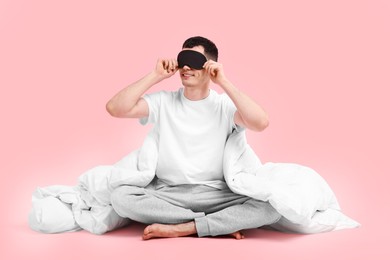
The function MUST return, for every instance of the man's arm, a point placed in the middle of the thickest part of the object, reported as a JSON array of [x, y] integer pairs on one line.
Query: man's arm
[[128, 101], [249, 113]]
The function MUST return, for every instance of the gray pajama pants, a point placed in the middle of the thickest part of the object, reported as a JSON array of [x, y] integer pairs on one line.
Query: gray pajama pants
[[215, 211]]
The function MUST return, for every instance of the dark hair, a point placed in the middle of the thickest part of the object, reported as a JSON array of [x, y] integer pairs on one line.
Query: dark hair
[[210, 49]]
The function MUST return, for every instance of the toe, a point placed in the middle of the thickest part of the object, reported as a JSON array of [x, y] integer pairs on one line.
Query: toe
[[147, 230], [147, 236], [238, 235]]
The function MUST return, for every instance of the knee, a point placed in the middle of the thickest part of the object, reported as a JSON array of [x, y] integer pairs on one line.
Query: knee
[[273, 215], [268, 214], [123, 199]]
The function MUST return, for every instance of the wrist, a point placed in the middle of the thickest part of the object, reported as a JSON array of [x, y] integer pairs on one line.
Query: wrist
[[155, 77], [224, 83]]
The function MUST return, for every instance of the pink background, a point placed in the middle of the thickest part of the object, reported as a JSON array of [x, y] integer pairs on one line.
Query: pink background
[[319, 68]]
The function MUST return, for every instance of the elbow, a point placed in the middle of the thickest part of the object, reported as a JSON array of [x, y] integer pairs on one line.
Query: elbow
[[263, 124], [116, 111], [111, 109]]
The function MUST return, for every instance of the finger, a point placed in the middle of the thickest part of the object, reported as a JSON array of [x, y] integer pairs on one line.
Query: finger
[[214, 72], [166, 67], [210, 72], [173, 71], [160, 63], [207, 68], [165, 64], [211, 69], [173, 64], [207, 63]]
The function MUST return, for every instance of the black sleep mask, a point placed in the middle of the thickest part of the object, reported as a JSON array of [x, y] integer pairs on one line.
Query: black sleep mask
[[193, 59]]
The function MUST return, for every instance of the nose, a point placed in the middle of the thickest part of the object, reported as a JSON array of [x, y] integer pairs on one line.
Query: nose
[[185, 67]]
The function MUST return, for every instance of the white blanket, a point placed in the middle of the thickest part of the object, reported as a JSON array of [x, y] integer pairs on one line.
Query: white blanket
[[298, 193]]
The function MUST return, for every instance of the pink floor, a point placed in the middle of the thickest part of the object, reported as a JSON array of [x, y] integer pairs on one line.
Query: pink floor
[[126, 244], [370, 241], [23, 243]]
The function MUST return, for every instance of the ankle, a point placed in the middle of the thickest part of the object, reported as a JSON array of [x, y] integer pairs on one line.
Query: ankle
[[188, 228]]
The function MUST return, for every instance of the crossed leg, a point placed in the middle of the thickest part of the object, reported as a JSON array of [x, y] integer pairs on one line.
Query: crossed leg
[[188, 210]]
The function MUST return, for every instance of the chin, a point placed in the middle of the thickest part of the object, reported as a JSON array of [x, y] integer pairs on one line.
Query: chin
[[187, 84]]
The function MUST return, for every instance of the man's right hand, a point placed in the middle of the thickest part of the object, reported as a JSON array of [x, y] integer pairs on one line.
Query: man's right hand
[[166, 68]]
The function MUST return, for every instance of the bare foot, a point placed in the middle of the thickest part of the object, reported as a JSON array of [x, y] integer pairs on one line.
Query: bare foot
[[173, 230], [237, 235], [176, 230]]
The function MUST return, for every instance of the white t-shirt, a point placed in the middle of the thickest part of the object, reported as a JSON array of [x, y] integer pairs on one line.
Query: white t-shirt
[[192, 136]]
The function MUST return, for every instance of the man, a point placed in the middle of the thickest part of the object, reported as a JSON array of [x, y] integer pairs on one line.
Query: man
[[189, 195]]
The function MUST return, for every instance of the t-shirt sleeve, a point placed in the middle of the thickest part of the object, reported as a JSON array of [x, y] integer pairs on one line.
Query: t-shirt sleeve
[[230, 110], [154, 101]]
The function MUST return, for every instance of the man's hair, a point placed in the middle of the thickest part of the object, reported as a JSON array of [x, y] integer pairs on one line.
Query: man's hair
[[210, 49]]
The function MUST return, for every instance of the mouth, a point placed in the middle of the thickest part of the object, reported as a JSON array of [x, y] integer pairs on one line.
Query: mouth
[[187, 75]]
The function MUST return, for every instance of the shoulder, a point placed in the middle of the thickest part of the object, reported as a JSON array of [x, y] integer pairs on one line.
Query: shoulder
[[219, 96], [162, 95], [225, 100]]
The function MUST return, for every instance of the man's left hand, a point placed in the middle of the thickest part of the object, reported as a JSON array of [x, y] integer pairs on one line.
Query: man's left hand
[[215, 71]]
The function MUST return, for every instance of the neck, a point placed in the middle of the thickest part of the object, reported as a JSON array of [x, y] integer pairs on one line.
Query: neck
[[196, 93]]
